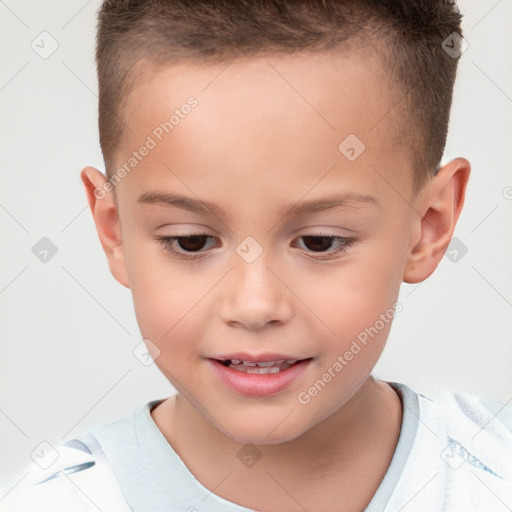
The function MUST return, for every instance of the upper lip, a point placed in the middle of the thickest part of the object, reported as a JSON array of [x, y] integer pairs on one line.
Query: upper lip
[[256, 358]]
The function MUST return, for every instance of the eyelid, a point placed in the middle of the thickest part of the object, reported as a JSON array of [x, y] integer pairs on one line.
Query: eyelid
[[168, 240], [348, 242]]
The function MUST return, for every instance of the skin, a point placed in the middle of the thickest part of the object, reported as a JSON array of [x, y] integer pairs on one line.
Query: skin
[[264, 136]]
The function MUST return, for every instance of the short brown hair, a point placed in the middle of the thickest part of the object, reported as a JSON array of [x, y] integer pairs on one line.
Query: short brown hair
[[407, 34]]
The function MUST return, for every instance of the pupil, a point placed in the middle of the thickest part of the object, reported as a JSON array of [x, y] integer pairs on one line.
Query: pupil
[[192, 243], [317, 243]]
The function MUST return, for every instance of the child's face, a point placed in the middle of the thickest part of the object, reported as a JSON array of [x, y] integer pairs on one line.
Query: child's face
[[262, 140]]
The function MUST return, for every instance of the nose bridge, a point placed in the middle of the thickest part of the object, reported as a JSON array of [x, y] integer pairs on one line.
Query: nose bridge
[[253, 279], [253, 296]]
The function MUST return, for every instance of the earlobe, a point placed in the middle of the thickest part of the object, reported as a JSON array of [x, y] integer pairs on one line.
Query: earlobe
[[105, 213], [441, 204]]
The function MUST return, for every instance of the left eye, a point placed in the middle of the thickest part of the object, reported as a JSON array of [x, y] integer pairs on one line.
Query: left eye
[[320, 243], [323, 243]]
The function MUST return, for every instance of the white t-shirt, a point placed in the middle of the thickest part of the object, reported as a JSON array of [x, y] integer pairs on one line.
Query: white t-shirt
[[454, 454]]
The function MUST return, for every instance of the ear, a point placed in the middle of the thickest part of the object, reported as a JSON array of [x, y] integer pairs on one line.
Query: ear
[[105, 213], [440, 204]]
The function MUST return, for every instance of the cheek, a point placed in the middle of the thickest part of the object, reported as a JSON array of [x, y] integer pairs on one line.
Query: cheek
[[355, 302], [355, 295], [164, 307], [170, 301], [162, 294], [356, 309]]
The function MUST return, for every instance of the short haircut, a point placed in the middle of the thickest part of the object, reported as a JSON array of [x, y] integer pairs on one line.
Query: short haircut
[[407, 35]]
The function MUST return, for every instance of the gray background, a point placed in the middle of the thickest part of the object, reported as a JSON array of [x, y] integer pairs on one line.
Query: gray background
[[68, 328]]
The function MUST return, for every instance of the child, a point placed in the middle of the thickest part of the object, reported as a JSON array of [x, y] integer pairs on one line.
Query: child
[[273, 176]]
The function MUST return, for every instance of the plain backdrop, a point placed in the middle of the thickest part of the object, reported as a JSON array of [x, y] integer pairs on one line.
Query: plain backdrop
[[68, 329]]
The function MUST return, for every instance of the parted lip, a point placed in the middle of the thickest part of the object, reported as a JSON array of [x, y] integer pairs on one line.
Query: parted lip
[[256, 358]]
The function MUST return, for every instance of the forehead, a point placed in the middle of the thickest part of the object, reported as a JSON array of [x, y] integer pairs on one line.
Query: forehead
[[264, 122]]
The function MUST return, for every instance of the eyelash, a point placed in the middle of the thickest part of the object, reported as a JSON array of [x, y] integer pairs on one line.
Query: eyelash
[[170, 242]]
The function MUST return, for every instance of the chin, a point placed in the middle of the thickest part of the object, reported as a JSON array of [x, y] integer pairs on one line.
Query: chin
[[271, 432]]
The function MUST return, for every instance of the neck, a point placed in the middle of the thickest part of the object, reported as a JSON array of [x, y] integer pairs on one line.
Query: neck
[[358, 439]]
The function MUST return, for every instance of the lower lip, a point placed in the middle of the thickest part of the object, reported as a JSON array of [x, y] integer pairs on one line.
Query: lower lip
[[253, 384]]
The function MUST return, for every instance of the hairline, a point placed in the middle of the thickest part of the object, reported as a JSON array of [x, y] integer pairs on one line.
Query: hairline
[[147, 63]]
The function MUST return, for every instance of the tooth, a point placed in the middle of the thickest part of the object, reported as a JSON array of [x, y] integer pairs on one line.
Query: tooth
[[249, 363], [236, 361], [291, 361], [268, 363], [260, 370], [281, 361], [268, 369]]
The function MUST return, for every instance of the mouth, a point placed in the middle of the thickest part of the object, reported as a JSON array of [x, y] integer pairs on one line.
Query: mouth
[[258, 376], [260, 368]]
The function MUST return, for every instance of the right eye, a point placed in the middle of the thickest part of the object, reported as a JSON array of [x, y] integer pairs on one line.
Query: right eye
[[186, 246]]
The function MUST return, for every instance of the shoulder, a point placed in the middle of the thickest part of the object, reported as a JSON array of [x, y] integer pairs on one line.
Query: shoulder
[[46, 485], [474, 448], [478, 430], [461, 456], [79, 479], [463, 412]]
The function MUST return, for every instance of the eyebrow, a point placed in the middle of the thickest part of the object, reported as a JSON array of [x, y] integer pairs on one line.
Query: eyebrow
[[300, 208], [343, 199], [179, 201]]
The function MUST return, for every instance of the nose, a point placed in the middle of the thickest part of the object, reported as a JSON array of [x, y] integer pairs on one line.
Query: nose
[[253, 296]]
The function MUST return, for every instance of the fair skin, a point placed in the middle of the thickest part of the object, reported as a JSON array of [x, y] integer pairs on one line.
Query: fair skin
[[264, 136]]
